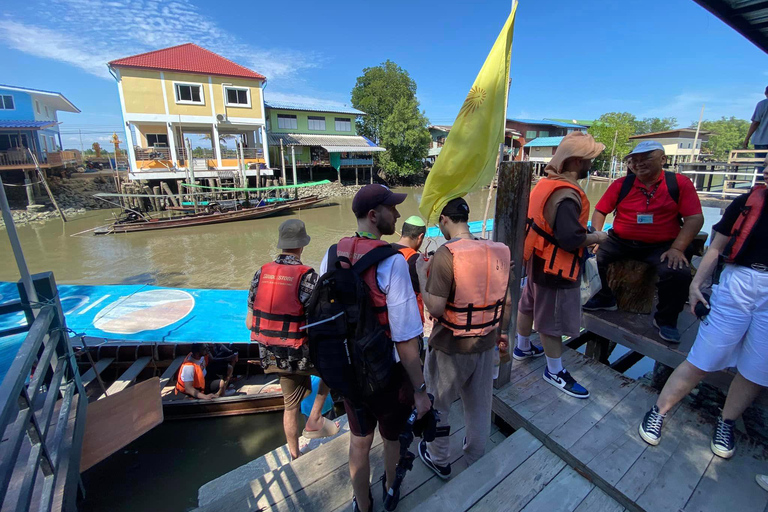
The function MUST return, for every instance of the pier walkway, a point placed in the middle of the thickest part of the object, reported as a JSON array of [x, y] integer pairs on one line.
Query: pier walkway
[[599, 438]]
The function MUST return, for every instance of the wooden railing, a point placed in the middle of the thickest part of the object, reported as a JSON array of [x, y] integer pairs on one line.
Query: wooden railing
[[62, 157], [42, 409]]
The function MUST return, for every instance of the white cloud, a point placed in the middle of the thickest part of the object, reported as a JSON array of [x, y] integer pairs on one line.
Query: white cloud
[[686, 106], [89, 33], [301, 98]]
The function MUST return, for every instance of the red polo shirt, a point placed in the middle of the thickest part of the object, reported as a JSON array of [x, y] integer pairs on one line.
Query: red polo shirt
[[666, 225]]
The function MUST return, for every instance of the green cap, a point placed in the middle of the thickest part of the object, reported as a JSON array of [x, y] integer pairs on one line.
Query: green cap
[[415, 220]]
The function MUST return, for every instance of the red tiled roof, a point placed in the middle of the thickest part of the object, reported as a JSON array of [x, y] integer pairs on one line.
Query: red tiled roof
[[188, 58]]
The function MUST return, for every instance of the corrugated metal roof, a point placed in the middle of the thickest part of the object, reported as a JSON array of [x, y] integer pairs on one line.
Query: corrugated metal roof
[[353, 149], [189, 58], [546, 122], [549, 142], [441, 127], [748, 17], [313, 107], [36, 125], [302, 139], [679, 132]]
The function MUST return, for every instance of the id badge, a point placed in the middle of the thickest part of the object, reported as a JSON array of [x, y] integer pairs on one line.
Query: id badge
[[645, 218]]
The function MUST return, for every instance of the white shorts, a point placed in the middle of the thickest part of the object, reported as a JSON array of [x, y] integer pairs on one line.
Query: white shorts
[[736, 330]]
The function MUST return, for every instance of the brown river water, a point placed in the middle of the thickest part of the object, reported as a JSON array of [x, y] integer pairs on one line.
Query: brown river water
[[163, 469]]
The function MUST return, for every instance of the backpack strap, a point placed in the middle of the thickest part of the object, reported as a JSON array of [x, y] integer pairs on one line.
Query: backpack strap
[[373, 257], [626, 188], [672, 187]]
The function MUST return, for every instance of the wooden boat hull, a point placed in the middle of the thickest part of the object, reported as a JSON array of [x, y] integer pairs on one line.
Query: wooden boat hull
[[119, 364], [209, 218]]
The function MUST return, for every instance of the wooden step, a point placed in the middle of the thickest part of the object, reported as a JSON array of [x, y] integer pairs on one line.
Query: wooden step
[[128, 376], [100, 366], [170, 372]]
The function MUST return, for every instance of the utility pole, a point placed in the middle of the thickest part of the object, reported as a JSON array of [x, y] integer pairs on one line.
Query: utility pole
[[82, 149], [613, 148], [282, 161], [696, 137]]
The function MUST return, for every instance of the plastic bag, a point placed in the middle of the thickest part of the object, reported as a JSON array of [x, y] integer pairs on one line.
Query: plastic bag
[[590, 280]]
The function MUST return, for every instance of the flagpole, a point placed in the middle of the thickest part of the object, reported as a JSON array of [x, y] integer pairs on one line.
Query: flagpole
[[499, 158]]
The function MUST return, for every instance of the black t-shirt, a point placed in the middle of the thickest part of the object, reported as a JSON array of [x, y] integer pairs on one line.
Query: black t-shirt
[[756, 248]]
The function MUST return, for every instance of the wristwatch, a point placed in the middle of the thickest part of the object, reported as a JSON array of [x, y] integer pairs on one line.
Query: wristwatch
[[422, 388]]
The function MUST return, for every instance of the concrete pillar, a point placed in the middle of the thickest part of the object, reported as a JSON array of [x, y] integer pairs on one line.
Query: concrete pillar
[[172, 144], [216, 145], [264, 145], [131, 151], [28, 187]]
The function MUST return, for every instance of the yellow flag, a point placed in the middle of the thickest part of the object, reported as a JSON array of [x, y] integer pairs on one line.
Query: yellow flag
[[468, 158]]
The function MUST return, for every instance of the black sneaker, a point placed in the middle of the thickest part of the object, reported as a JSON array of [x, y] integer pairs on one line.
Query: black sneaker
[[723, 443], [650, 428], [390, 500], [442, 471], [355, 508], [566, 383], [667, 332], [597, 303]]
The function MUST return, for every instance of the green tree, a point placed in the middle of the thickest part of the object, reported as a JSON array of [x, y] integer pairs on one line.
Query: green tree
[[727, 133], [613, 124], [377, 92], [406, 138], [654, 124]]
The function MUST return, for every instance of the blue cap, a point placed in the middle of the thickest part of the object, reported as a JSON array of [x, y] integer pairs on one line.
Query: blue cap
[[646, 146]]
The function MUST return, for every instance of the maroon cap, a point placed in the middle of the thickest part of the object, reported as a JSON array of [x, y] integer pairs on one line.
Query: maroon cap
[[371, 196]]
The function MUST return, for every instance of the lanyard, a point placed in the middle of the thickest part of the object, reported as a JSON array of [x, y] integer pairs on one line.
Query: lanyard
[[366, 234], [649, 195]]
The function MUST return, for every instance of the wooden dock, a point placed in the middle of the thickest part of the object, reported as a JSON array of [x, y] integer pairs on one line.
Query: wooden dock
[[599, 439]]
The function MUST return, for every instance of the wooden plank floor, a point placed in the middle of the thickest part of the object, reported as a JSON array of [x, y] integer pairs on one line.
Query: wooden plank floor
[[598, 437]]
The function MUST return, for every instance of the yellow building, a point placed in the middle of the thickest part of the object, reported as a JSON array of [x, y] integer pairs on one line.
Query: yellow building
[[169, 94]]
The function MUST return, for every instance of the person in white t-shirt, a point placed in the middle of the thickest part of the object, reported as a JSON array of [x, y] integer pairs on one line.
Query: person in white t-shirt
[[376, 212]]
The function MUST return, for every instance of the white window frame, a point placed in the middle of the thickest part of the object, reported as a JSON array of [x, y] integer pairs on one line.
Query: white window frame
[[247, 90], [292, 117], [46, 111], [346, 120], [188, 102], [53, 143], [2, 103], [45, 144], [146, 137], [317, 119], [37, 106]]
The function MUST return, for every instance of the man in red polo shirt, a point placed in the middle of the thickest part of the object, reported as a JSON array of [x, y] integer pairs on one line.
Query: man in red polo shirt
[[656, 217]]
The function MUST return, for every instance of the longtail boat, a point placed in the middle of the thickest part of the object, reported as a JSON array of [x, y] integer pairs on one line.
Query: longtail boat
[[109, 368], [136, 223]]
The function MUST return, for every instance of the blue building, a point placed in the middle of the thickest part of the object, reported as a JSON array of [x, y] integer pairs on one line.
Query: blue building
[[29, 121]]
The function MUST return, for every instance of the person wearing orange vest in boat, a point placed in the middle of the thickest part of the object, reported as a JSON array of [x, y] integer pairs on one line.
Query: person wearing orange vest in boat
[[466, 293], [413, 232], [734, 323], [192, 373], [555, 243], [278, 294]]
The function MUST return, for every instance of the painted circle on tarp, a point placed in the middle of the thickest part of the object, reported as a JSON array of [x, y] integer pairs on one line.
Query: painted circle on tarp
[[144, 311]]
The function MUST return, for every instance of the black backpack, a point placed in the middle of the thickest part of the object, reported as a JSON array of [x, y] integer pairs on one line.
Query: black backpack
[[669, 177], [349, 347]]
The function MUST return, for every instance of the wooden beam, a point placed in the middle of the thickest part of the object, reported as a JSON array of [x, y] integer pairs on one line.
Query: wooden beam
[[127, 378], [514, 188], [100, 366], [627, 361], [171, 371]]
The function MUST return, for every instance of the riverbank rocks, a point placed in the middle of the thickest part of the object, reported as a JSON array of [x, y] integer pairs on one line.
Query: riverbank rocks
[[333, 189]]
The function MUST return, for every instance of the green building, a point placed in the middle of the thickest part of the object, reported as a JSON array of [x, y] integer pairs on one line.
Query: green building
[[316, 137]]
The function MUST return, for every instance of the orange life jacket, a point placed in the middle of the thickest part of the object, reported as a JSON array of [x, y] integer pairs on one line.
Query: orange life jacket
[[354, 248], [540, 239], [277, 312], [481, 275], [742, 228], [199, 381], [408, 253]]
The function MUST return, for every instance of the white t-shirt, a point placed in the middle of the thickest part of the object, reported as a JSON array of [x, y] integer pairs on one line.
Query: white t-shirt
[[403, 310], [188, 373]]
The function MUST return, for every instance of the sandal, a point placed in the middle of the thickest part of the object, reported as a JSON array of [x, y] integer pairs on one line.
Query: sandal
[[329, 428]]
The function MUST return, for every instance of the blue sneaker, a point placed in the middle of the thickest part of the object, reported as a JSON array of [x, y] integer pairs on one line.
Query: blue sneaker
[[522, 355], [667, 332], [566, 383]]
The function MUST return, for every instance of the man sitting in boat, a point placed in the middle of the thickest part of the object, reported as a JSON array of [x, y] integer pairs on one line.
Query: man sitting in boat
[[221, 364], [192, 374], [657, 216], [279, 292]]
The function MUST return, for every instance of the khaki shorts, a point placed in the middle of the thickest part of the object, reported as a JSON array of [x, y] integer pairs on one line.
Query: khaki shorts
[[555, 311], [295, 388]]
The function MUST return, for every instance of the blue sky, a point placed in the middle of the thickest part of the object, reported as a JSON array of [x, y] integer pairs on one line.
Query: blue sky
[[569, 59]]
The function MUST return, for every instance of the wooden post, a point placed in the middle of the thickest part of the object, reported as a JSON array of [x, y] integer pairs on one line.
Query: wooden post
[[514, 188], [28, 187], [159, 202], [357, 179], [295, 179], [282, 159], [371, 174]]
